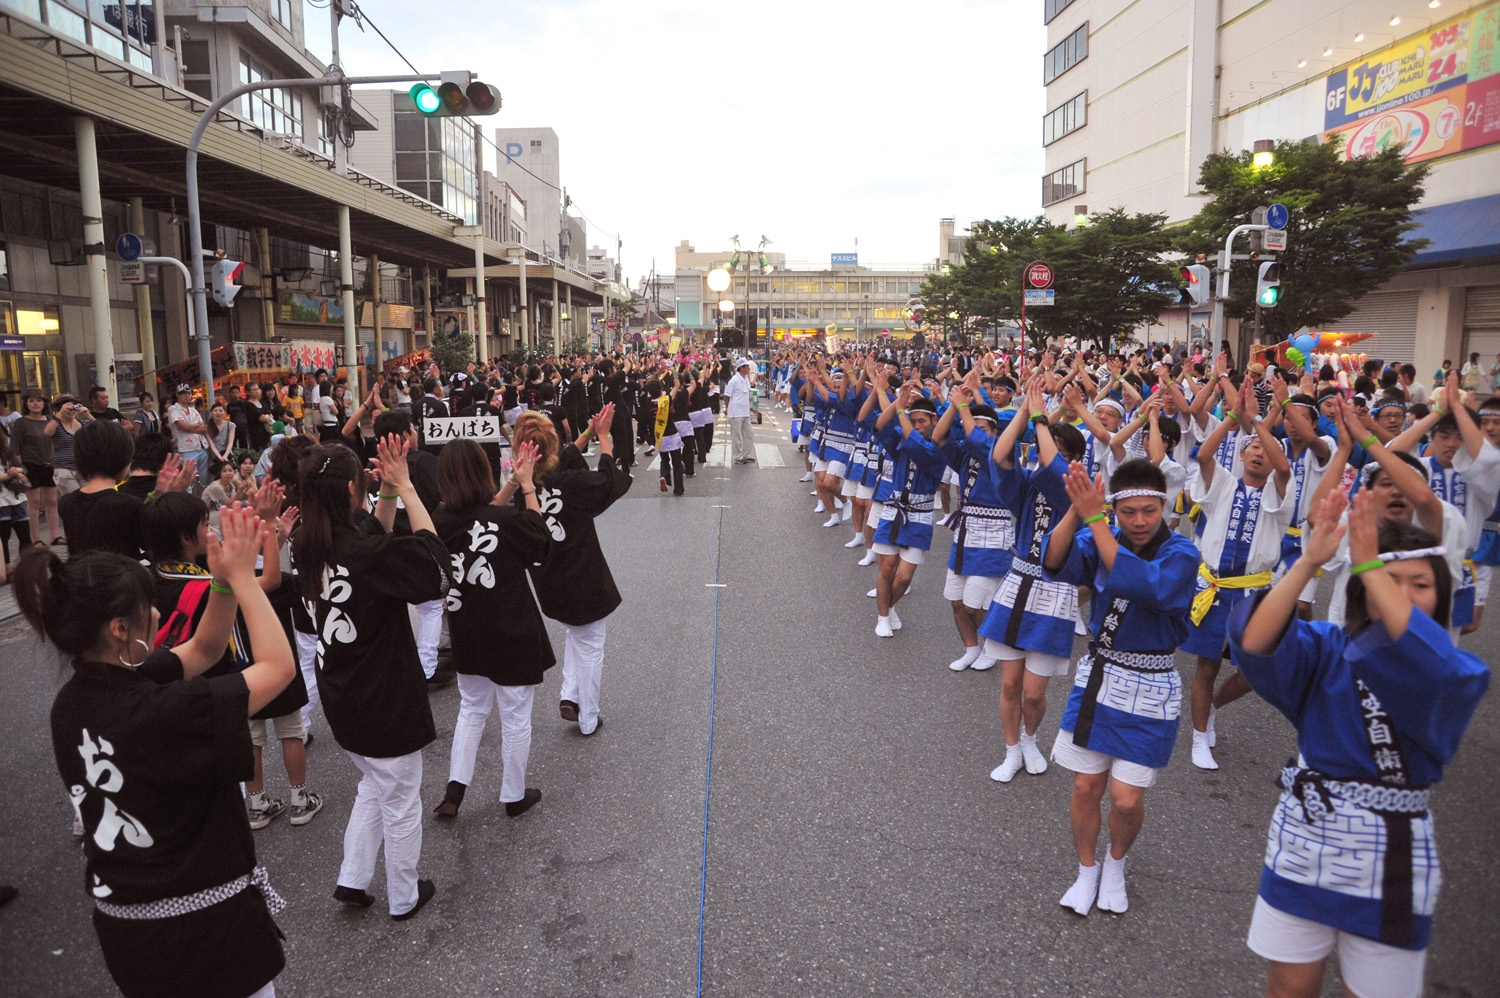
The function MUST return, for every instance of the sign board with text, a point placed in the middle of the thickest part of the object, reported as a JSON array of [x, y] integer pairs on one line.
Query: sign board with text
[[1040, 275], [845, 259], [1040, 296], [132, 272], [480, 429], [1273, 240]]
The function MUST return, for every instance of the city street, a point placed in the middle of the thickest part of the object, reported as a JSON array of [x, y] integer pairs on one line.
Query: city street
[[854, 843]]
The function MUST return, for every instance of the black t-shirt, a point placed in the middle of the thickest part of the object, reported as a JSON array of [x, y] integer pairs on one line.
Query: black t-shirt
[[373, 691], [493, 619], [153, 763], [573, 584], [101, 521], [139, 486]]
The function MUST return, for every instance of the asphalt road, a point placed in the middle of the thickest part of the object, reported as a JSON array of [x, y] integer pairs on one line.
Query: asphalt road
[[855, 844]]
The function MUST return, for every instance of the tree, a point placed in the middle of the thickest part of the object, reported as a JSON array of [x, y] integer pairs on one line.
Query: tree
[[452, 353], [1349, 219]]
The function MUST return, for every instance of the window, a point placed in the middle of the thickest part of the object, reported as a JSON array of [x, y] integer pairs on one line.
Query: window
[[1059, 185], [1066, 54], [282, 11], [1069, 118], [1051, 8], [275, 110]]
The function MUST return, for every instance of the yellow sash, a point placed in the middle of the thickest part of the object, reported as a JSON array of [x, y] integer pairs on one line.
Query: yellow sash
[[663, 409], [1204, 601]]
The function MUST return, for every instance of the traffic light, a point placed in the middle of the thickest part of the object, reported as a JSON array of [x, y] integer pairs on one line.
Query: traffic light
[[1268, 285], [456, 96], [225, 281], [1197, 278]]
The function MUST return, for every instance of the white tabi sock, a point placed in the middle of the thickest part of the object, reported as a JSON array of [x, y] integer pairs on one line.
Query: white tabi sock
[[869, 558], [895, 619], [968, 658], [1112, 886], [848, 509], [1035, 761], [806, 478], [1213, 736], [857, 540], [832, 521], [1203, 756], [883, 628], [1007, 770], [820, 508], [1080, 896]]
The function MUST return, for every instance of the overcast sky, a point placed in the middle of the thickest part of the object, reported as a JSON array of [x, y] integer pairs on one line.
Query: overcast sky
[[811, 122]]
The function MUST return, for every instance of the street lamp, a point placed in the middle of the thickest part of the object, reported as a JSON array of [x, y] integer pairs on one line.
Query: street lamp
[[718, 283], [1265, 153]]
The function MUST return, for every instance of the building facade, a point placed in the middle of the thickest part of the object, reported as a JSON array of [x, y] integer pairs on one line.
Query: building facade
[[437, 159], [1140, 93], [797, 300], [530, 161]]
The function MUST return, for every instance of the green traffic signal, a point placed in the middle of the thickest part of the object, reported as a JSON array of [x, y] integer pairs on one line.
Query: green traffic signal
[[1269, 296], [426, 99]]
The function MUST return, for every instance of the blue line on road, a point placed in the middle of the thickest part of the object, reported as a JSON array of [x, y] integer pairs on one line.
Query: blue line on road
[[708, 766]]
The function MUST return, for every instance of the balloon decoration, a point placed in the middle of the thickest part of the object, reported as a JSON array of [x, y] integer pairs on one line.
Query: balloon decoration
[[1302, 349]]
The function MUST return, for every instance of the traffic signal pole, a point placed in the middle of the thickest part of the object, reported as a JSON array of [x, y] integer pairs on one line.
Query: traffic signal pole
[[195, 215], [1225, 260]]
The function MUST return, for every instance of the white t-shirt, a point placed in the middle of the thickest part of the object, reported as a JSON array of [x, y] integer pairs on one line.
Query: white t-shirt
[[739, 396], [1455, 533], [184, 440], [1217, 503]]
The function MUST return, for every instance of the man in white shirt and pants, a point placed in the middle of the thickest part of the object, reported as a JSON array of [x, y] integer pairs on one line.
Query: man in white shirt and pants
[[740, 435]]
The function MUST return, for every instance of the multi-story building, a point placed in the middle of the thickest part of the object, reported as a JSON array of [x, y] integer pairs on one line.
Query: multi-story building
[[797, 300], [530, 161], [1140, 93], [438, 159], [504, 211]]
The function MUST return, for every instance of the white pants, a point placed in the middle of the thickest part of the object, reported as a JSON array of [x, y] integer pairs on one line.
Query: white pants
[[387, 809], [269, 991], [427, 628], [583, 661], [478, 696], [307, 658], [741, 437]]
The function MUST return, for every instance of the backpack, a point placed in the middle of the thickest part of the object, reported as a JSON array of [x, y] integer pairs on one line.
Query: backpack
[[179, 624]]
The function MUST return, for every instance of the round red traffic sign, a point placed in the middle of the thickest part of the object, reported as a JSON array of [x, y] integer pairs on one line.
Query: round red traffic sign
[[1039, 275]]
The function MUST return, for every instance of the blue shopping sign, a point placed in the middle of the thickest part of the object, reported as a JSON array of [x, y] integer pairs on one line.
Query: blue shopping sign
[[128, 246], [1277, 216], [846, 259], [12, 343]]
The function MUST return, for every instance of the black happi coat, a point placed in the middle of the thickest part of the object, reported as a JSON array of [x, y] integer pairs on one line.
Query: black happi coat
[[496, 628], [573, 584]]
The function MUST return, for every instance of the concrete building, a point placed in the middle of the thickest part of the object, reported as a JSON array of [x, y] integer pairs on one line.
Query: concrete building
[[530, 161], [99, 110], [504, 211], [1139, 94], [950, 245], [797, 300], [437, 159]]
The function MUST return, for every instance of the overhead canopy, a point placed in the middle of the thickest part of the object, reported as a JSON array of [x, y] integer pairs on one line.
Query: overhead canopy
[[1463, 230], [143, 126]]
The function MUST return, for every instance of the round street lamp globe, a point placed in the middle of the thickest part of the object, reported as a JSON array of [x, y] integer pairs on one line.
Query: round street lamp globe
[[726, 305], [718, 279]]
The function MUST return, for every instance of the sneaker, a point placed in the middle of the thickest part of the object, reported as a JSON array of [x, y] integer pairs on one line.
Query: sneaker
[[883, 629], [263, 816], [305, 812]]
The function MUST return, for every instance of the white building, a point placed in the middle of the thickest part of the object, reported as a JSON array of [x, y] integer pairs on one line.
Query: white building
[[530, 161], [1140, 93]]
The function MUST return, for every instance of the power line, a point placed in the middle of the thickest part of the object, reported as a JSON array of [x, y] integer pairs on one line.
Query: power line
[[360, 14]]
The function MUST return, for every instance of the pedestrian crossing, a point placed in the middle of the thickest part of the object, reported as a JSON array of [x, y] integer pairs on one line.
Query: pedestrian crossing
[[766, 455]]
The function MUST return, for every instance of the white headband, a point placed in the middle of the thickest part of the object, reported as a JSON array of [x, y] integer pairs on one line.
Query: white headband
[[1111, 403], [1435, 552], [1136, 494]]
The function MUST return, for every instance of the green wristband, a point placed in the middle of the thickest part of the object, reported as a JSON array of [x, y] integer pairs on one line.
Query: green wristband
[[1093, 519], [1439, 410], [221, 590], [1369, 441], [1230, 414], [389, 495], [1366, 566]]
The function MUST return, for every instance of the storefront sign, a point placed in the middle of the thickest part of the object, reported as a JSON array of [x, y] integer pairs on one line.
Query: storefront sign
[[294, 306], [1432, 95], [263, 356]]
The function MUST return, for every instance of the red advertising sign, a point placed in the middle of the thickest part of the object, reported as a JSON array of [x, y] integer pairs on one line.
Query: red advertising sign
[[1039, 275]]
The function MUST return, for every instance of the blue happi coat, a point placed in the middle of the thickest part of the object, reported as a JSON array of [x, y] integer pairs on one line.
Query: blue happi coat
[[1028, 612], [984, 527], [906, 517]]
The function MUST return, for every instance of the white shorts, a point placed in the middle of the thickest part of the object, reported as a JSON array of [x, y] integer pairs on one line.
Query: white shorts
[[976, 591], [1087, 761], [950, 477], [876, 508], [1371, 969], [837, 468], [850, 487], [820, 465], [864, 492], [1481, 584], [1037, 663], [912, 556], [291, 725]]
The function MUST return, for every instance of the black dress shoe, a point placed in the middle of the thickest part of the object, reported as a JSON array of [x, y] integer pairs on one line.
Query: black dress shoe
[[516, 808], [353, 896], [568, 709], [441, 677], [453, 798], [425, 890], [598, 723]]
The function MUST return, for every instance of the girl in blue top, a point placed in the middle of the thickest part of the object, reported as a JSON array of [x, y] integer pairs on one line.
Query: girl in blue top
[[1380, 706]]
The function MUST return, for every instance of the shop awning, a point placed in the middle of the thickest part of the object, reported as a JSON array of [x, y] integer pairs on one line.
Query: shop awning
[[1463, 230]]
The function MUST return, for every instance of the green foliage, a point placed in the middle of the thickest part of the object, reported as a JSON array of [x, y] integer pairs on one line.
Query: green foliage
[[452, 354], [1110, 276], [1348, 218]]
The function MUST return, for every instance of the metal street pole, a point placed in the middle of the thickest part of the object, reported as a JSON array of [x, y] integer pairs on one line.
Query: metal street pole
[[195, 213], [1225, 262]]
